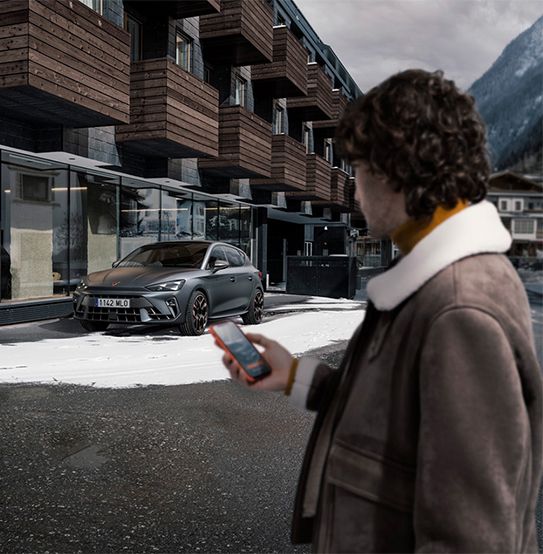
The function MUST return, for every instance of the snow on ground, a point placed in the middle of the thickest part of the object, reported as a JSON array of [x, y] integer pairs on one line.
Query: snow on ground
[[317, 303], [104, 360]]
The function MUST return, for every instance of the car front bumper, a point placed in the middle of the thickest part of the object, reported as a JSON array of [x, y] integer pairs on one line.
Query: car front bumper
[[145, 307]]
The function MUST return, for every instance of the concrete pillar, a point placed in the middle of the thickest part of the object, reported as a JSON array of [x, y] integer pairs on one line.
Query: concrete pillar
[[261, 231]]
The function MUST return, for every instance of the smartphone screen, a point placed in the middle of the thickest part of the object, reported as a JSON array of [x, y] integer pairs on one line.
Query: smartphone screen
[[241, 348]]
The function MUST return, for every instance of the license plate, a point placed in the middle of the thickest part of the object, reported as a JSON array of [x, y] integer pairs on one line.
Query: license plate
[[113, 302]]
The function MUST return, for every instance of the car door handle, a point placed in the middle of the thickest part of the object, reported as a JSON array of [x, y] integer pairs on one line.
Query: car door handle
[[233, 279], [250, 278]]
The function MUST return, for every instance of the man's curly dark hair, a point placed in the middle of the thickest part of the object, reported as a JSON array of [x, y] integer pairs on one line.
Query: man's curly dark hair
[[424, 135]]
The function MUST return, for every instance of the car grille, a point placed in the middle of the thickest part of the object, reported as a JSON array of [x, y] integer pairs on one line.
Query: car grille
[[123, 315]]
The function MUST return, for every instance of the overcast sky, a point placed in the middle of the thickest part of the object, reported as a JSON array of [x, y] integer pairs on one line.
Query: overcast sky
[[376, 38]]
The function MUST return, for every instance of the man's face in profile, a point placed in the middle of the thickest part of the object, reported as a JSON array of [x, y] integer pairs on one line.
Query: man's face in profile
[[382, 207]]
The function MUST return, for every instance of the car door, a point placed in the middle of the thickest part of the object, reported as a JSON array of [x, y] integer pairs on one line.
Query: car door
[[242, 279], [219, 284]]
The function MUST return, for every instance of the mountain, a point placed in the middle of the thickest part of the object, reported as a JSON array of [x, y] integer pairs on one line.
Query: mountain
[[509, 97]]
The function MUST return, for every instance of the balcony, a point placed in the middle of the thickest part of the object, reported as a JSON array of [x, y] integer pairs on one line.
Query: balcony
[[177, 9], [288, 166], [319, 102], [244, 145], [173, 114], [62, 63], [341, 190], [318, 180], [327, 128], [241, 34], [287, 74]]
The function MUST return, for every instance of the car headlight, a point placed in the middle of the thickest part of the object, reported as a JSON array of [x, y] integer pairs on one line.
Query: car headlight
[[169, 285]]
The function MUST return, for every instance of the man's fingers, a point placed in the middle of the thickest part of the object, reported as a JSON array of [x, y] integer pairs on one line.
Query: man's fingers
[[234, 370]]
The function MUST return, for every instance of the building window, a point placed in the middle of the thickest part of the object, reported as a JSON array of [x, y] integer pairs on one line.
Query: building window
[[33, 188], [504, 205], [328, 150], [346, 167], [240, 91], [306, 137], [524, 226], [183, 51], [280, 19], [518, 205], [278, 120], [134, 27], [96, 5], [207, 73]]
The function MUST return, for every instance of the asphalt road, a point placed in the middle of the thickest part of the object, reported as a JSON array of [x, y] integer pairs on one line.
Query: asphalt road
[[195, 468]]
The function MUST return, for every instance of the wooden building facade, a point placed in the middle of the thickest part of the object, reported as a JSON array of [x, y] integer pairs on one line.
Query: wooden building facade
[[233, 100]]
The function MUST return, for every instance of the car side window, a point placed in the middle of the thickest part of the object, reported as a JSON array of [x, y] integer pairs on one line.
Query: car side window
[[216, 254], [235, 259]]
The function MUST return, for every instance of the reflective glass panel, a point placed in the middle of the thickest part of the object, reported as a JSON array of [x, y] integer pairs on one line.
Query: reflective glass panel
[[176, 219], [94, 221], [139, 218], [229, 223], [34, 229]]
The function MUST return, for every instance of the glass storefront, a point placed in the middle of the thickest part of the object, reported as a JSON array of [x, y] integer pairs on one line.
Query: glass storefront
[[59, 222], [176, 215], [139, 215], [34, 232], [94, 223]]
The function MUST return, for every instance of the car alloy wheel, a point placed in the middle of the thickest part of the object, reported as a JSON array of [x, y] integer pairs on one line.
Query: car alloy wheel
[[197, 315], [256, 309]]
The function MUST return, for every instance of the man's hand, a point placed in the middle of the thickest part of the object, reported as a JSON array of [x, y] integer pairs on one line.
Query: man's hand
[[278, 358]]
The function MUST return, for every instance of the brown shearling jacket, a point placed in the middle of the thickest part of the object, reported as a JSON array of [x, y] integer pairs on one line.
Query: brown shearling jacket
[[429, 437]]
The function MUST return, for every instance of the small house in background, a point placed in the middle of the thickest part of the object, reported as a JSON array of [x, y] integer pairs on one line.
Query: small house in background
[[519, 199]]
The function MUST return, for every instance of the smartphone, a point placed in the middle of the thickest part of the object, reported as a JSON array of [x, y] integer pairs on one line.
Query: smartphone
[[248, 359]]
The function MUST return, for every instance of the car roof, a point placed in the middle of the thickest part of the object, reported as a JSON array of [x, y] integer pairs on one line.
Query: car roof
[[172, 242], [199, 241]]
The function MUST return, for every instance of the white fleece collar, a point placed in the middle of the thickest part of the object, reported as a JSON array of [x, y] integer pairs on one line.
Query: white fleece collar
[[477, 229]]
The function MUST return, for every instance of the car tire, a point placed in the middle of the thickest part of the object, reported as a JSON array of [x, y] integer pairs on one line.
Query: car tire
[[94, 326], [196, 316], [256, 309]]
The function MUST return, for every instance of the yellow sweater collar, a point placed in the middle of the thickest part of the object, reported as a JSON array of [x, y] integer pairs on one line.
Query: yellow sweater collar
[[407, 235]]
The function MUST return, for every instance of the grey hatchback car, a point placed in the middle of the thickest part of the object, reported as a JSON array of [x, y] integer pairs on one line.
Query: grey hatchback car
[[183, 283]]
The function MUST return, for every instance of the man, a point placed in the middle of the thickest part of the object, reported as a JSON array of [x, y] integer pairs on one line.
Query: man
[[429, 437]]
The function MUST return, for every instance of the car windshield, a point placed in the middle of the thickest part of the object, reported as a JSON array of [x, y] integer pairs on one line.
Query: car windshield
[[174, 255]]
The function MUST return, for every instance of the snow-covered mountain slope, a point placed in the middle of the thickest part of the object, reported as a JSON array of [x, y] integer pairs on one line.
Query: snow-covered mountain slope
[[509, 97]]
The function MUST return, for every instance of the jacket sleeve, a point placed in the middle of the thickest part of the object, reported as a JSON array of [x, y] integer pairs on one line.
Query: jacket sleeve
[[310, 383], [474, 443]]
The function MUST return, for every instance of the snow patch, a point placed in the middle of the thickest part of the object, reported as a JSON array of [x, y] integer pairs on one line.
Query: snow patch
[[104, 360]]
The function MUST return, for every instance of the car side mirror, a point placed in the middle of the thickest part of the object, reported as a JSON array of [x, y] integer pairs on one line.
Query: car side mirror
[[219, 264], [115, 263]]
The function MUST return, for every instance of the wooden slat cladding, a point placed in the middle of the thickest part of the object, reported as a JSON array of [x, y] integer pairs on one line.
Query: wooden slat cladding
[[286, 76], [318, 180], [62, 63], [172, 112], [339, 190], [241, 34], [288, 166], [319, 102], [327, 128], [178, 9], [244, 145]]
